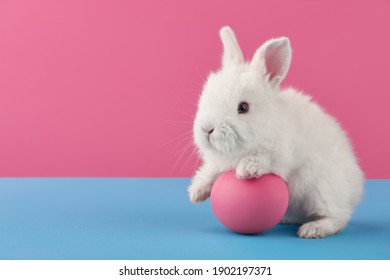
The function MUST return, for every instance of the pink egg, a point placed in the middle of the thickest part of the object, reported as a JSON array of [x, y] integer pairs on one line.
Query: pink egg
[[249, 206]]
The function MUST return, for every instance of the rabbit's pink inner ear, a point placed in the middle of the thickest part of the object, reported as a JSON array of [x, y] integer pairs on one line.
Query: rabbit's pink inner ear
[[275, 61]]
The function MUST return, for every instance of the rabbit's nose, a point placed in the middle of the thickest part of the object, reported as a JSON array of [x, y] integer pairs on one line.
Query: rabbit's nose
[[208, 130]]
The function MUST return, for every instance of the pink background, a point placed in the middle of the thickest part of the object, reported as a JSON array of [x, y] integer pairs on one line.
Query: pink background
[[109, 88]]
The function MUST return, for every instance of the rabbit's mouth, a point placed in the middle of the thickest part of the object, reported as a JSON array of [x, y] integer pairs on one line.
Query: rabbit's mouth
[[223, 138]]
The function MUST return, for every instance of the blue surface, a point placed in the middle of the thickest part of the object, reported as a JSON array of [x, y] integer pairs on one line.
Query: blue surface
[[153, 219]]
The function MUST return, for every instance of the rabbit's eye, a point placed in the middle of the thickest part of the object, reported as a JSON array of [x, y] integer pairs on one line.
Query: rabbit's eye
[[243, 108]]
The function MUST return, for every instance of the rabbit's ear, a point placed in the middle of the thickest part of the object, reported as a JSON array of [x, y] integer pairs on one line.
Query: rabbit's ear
[[272, 60], [232, 54]]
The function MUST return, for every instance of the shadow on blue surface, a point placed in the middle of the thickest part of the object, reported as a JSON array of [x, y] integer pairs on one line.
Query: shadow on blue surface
[[277, 231], [105, 218]]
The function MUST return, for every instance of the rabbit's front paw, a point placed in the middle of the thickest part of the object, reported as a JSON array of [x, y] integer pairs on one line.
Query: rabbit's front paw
[[198, 193], [320, 228], [248, 168]]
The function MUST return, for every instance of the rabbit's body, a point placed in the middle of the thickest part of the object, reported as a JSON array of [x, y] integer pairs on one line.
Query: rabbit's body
[[282, 132]]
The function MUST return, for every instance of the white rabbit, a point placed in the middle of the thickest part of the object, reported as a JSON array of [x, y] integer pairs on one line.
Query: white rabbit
[[246, 123]]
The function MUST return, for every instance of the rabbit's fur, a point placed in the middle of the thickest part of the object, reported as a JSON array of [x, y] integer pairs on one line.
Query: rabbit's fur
[[284, 132]]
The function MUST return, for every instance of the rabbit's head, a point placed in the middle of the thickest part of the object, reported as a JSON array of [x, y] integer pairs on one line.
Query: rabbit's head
[[237, 105]]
